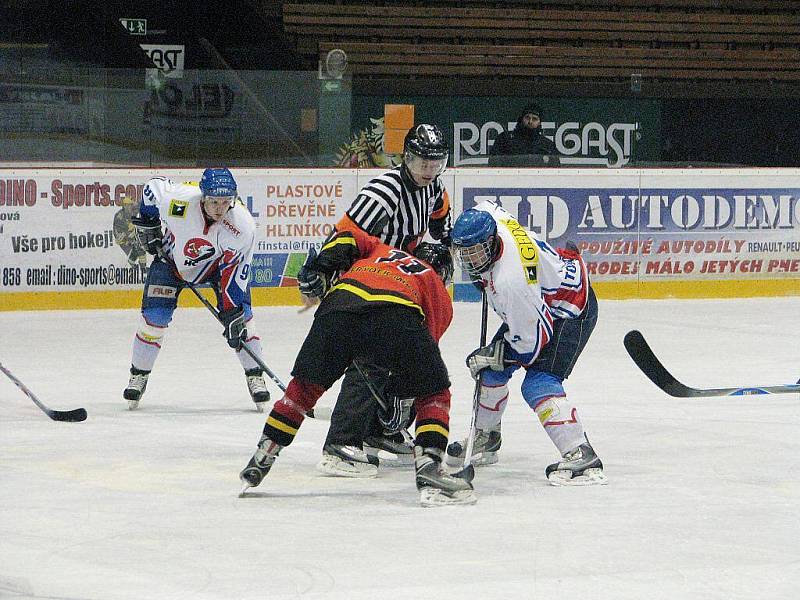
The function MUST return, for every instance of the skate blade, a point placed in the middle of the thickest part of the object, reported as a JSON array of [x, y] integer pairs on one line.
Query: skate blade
[[390, 459], [243, 492], [133, 404], [260, 406], [335, 468], [478, 460], [589, 477], [432, 497]]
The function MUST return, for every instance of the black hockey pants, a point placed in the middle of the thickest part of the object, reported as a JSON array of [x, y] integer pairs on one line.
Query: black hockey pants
[[355, 415]]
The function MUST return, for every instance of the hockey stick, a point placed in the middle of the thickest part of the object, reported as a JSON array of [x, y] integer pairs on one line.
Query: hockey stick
[[648, 362], [71, 416], [380, 399], [468, 471], [313, 413]]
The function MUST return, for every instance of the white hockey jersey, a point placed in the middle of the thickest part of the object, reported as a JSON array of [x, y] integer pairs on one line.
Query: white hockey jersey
[[531, 283], [201, 251]]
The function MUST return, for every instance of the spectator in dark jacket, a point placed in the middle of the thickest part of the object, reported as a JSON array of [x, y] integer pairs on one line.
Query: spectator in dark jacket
[[525, 142]]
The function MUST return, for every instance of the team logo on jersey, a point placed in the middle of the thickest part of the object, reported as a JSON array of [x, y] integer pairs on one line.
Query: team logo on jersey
[[528, 253], [196, 251], [177, 208]]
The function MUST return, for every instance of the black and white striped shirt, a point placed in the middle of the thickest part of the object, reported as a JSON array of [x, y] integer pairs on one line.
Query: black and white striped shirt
[[399, 213]]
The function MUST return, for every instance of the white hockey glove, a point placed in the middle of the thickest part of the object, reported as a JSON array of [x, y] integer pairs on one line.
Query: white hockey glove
[[491, 356]]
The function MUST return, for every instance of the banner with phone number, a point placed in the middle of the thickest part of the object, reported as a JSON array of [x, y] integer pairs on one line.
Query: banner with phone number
[[69, 229]]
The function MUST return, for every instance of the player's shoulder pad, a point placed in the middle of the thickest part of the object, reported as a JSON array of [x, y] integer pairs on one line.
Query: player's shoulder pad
[[241, 220]]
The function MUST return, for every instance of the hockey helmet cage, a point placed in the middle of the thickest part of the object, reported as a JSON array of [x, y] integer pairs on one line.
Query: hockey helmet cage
[[475, 240]]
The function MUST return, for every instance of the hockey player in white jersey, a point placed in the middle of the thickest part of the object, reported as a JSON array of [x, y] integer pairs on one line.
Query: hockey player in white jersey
[[207, 238], [548, 310]]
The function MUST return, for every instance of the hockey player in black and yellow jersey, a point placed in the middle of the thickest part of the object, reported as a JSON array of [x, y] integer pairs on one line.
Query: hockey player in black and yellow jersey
[[389, 308], [399, 207]]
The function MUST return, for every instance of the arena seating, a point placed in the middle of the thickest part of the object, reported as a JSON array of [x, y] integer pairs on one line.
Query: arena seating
[[748, 40]]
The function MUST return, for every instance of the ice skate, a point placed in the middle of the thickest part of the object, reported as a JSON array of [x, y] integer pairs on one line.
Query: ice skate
[[484, 450], [258, 389], [580, 466], [136, 386], [390, 451], [260, 463], [436, 487], [347, 461]]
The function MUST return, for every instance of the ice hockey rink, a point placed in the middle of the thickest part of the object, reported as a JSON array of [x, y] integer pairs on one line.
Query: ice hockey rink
[[702, 500]]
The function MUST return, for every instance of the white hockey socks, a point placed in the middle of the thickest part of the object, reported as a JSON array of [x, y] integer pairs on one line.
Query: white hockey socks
[[253, 343], [146, 345], [491, 406], [559, 417]]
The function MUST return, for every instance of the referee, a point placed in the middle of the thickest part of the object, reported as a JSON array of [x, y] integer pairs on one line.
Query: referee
[[398, 207]]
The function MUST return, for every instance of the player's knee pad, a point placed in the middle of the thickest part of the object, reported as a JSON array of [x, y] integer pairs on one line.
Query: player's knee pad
[[544, 393], [157, 316], [497, 378], [151, 333], [492, 404]]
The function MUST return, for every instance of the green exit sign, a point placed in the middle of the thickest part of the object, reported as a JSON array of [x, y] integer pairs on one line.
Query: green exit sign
[[135, 26]]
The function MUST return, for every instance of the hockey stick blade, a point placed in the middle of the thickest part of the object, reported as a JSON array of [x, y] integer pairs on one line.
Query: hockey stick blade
[[70, 416], [648, 362], [467, 473]]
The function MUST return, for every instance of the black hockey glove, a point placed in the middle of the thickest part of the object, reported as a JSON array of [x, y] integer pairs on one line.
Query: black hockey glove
[[491, 356], [148, 231], [312, 284], [235, 328]]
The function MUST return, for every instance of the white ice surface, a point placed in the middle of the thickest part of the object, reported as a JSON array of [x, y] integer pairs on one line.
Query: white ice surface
[[702, 501]]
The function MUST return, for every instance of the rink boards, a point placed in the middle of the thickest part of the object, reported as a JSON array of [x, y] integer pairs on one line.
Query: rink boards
[[644, 233]]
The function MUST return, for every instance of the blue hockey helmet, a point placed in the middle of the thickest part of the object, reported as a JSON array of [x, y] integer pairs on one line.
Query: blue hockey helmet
[[218, 183], [475, 240], [438, 256]]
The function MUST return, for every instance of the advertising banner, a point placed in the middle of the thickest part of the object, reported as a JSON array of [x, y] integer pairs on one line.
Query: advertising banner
[[68, 230], [644, 226], [587, 132]]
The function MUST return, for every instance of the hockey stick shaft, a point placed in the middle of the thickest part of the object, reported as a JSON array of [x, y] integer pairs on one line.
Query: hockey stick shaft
[[252, 354], [379, 397], [244, 347], [468, 471], [651, 366], [72, 416], [375, 393]]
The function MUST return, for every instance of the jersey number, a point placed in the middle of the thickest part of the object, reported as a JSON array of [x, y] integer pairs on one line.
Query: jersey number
[[405, 262]]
